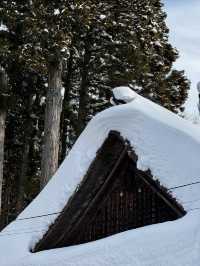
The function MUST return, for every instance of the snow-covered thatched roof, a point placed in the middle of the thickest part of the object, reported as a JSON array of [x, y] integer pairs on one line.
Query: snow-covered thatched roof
[[167, 145]]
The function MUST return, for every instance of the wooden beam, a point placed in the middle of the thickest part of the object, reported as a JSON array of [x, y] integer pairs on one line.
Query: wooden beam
[[162, 194], [98, 195]]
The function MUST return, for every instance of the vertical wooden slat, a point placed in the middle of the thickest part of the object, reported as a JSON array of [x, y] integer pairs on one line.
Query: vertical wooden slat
[[127, 208]]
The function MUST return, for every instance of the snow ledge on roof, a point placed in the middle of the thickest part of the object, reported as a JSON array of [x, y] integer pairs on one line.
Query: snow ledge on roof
[[167, 145]]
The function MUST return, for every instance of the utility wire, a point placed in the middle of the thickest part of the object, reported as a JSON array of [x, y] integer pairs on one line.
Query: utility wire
[[187, 185], [43, 231], [23, 229], [39, 216], [21, 233], [55, 213]]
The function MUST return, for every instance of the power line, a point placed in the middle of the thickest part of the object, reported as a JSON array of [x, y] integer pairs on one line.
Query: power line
[[187, 185], [21, 233], [39, 216], [13, 233], [55, 213], [23, 229], [194, 209], [191, 201]]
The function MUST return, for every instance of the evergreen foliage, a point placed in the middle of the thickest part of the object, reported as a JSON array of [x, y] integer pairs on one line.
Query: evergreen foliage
[[101, 45]]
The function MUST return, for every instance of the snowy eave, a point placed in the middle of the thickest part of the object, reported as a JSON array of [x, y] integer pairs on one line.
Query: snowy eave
[[166, 144]]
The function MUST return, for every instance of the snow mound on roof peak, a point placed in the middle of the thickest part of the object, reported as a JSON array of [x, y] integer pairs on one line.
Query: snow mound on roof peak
[[124, 93]]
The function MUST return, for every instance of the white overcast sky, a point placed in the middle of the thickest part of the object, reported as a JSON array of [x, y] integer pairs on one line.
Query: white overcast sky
[[184, 24]]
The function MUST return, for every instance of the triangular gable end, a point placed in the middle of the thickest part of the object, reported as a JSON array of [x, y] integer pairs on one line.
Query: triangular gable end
[[113, 197]]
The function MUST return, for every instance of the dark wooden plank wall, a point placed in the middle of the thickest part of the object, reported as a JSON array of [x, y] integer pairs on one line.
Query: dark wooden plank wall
[[113, 197], [61, 230], [130, 204]]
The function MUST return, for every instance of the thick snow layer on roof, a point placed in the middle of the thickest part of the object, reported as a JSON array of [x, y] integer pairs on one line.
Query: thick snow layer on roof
[[125, 94], [167, 145]]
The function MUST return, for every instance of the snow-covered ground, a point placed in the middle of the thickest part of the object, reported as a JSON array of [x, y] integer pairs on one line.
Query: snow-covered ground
[[167, 145]]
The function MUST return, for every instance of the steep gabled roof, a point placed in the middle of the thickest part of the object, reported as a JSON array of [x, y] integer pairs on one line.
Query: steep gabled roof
[[164, 143], [93, 192]]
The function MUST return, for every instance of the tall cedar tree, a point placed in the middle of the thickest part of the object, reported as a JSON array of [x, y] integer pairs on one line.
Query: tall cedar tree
[[126, 44], [24, 118], [87, 48], [53, 23]]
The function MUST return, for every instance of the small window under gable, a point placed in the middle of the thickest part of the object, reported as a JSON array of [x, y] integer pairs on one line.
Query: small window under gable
[[113, 197]]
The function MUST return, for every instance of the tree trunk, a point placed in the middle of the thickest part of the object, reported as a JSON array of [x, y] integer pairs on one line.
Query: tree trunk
[[53, 112], [2, 137], [65, 117], [22, 178], [83, 93], [3, 110], [28, 129]]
